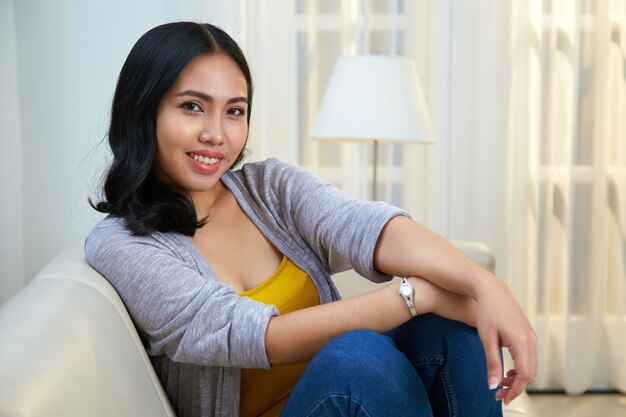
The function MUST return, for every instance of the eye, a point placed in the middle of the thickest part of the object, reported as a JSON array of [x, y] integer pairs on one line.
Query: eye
[[236, 111], [192, 107]]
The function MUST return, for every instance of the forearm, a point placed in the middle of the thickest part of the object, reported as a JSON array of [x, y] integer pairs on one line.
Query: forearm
[[406, 248], [297, 336]]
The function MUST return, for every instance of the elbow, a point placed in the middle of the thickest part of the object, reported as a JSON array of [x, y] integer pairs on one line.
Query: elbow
[[273, 349], [284, 345]]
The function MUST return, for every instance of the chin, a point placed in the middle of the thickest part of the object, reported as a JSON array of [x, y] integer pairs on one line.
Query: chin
[[201, 188]]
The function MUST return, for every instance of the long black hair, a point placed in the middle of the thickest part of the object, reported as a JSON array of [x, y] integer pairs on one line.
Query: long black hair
[[152, 66]]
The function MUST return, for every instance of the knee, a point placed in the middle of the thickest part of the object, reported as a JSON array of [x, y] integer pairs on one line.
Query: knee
[[362, 356], [355, 349], [441, 333], [362, 372]]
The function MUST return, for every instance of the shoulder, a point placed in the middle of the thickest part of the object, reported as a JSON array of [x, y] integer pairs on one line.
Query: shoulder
[[110, 227], [111, 241], [268, 167], [272, 175]]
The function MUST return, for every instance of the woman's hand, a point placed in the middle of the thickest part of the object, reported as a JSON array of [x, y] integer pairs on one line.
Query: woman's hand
[[501, 323], [494, 329]]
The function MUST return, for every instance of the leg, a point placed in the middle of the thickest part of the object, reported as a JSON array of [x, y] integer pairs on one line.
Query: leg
[[360, 373], [450, 360]]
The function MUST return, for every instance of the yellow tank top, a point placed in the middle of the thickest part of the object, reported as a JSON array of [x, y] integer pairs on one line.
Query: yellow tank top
[[264, 392]]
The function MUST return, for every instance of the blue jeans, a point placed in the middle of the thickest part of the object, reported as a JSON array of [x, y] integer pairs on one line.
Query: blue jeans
[[429, 366]]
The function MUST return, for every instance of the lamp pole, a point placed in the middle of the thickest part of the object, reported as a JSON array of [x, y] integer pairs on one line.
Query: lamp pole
[[375, 170]]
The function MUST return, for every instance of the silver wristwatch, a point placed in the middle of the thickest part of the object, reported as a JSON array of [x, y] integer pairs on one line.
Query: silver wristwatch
[[406, 291]]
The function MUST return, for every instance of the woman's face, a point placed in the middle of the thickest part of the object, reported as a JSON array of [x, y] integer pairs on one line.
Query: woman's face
[[201, 124]]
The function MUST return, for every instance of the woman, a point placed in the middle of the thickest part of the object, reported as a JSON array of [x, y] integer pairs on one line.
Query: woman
[[226, 273]]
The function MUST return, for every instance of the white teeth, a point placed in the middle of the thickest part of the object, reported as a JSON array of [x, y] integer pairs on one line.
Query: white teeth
[[204, 159]]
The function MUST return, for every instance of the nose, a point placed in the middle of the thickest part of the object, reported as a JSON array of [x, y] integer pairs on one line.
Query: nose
[[212, 132]]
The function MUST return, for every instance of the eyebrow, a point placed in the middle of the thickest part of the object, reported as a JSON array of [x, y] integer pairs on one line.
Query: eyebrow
[[207, 97]]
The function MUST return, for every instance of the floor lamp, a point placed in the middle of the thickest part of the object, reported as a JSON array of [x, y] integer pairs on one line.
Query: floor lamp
[[374, 99]]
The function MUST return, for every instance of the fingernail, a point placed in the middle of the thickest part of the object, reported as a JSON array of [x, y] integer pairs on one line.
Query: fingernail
[[493, 382]]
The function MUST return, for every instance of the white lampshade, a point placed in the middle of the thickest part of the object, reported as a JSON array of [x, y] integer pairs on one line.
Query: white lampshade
[[374, 98]]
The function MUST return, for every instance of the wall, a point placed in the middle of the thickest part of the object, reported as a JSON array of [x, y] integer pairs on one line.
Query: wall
[[11, 232], [59, 61]]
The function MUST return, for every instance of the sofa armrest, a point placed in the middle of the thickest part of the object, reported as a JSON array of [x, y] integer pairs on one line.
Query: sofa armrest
[[69, 348], [477, 252]]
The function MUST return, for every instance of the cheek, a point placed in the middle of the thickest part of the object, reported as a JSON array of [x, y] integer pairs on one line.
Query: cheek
[[238, 134], [165, 133], [166, 145], [173, 139]]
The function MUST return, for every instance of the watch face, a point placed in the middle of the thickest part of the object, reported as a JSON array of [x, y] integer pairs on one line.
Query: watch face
[[406, 290]]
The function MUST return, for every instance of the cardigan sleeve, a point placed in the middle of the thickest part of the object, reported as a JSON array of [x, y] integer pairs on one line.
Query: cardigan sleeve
[[178, 311], [341, 230]]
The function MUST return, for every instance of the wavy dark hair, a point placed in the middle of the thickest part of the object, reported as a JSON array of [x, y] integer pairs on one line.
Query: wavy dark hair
[[130, 188]]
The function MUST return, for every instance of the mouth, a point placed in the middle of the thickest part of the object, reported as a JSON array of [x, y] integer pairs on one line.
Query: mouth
[[208, 161]]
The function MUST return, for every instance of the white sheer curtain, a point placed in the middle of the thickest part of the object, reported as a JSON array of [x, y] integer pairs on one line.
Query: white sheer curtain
[[567, 197]]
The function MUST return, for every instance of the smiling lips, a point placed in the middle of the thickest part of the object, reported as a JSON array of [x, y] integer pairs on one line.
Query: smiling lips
[[206, 162]]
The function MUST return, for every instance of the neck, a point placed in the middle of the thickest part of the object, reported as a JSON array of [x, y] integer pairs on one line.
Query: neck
[[207, 202]]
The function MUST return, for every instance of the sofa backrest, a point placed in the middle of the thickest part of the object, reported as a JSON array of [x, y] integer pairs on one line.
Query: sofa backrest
[[68, 348]]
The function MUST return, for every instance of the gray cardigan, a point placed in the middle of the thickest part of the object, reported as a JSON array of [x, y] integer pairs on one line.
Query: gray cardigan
[[198, 332]]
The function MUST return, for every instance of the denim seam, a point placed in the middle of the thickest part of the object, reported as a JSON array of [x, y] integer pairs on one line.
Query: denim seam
[[428, 361], [349, 397], [444, 378]]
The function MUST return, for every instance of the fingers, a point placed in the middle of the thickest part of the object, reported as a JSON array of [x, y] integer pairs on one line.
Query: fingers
[[516, 387], [509, 378], [513, 386], [501, 323], [491, 344], [516, 379], [524, 373], [508, 383]]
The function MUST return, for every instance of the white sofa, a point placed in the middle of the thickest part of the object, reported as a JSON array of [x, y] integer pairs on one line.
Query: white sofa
[[68, 348]]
